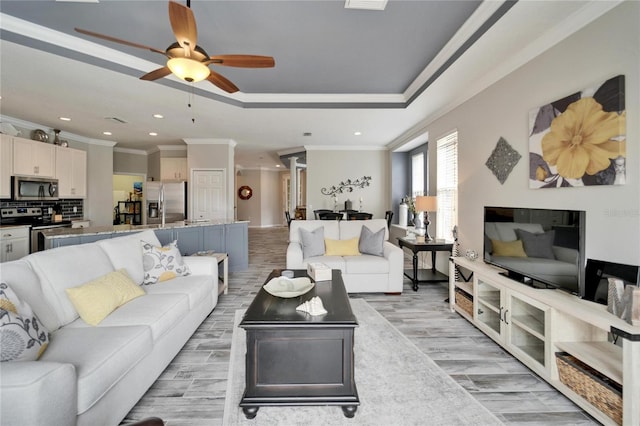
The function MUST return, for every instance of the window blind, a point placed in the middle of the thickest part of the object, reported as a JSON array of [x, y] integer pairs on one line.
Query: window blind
[[447, 178]]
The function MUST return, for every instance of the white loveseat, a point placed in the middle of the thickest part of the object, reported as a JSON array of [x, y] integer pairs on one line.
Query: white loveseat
[[559, 266], [94, 375], [361, 274]]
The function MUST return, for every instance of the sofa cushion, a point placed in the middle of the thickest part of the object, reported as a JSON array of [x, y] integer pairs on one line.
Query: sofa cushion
[[313, 243], [365, 264], [25, 283], [508, 248], [371, 242], [196, 287], [126, 252], [22, 336], [160, 312], [341, 247], [537, 244], [331, 229], [64, 267], [101, 356], [98, 298], [162, 263]]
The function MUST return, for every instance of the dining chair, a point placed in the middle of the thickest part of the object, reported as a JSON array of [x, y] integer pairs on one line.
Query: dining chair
[[360, 216], [287, 216], [318, 212], [388, 215], [330, 216]]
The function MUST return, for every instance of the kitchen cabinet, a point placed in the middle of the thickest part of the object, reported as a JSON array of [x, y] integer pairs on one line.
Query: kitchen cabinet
[[236, 240], [71, 172], [6, 165], [130, 212], [15, 243], [173, 168], [33, 158]]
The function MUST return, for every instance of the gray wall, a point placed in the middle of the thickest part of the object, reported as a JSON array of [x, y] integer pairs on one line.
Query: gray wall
[[603, 49], [328, 167], [129, 163]]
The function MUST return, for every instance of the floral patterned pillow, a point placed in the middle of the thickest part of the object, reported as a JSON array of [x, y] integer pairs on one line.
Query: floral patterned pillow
[[162, 263], [22, 336]]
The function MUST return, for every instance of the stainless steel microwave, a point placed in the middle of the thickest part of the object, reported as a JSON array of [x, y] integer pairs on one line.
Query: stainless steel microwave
[[33, 188]]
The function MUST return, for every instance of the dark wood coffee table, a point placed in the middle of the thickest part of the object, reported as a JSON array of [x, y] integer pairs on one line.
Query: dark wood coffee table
[[297, 359]]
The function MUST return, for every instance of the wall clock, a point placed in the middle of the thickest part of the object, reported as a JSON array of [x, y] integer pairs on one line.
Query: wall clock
[[245, 192]]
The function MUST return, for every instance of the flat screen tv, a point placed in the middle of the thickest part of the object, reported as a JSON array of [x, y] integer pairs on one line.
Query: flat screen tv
[[543, 248]]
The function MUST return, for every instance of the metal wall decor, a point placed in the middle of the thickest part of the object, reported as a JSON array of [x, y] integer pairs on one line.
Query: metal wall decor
[[347, 186], [502, 160]]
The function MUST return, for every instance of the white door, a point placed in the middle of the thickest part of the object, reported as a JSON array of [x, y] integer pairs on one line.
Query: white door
[[209, 195]]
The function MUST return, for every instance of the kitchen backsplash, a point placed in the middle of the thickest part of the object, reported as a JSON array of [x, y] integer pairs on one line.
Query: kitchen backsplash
[[67, 207]]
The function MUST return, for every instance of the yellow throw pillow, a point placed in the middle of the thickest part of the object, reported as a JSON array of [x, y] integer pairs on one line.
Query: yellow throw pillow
[[98, 298], [508, 248], [341, 247]]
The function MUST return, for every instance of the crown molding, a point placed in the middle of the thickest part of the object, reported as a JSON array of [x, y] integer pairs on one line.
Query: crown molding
[[130, 151], [77, 138], [172, 147], [344, 148], [210, 141]]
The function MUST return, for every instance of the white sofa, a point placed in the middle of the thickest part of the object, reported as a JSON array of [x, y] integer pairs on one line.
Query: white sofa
[[95, 375], [361, 274], [561, 269]]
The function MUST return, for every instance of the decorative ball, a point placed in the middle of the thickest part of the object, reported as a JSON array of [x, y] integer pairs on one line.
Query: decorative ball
[[471, 254]]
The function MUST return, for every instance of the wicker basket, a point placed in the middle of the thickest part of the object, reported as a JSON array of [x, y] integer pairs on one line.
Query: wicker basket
[[465, 301], [602, 392]]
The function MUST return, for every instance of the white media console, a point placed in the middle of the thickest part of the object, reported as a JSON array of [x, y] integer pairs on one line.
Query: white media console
[[536, 324]]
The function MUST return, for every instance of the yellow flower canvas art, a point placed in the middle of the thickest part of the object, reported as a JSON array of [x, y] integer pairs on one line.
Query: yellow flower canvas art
[[580, 140]]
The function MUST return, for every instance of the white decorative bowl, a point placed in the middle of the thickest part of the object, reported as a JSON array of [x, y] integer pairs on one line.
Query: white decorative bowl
[[288, 287]]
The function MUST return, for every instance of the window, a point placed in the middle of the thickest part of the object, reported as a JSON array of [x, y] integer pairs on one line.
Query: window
[[417, 174], [447, 165]]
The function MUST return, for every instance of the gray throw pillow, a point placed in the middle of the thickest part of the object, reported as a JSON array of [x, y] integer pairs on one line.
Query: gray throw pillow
[[312, 242], [370, 242], [537, 244]]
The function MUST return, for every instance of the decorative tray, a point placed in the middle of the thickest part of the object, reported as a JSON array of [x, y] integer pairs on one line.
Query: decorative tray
[[288, 287]]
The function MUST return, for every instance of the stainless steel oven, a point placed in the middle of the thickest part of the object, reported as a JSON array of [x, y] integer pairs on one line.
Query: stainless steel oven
[[31, 216]]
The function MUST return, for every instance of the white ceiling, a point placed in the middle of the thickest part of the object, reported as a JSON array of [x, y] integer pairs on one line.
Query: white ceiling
[[337, 71]]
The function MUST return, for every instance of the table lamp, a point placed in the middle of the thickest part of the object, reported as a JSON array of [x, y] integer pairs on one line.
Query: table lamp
[[424, 205]]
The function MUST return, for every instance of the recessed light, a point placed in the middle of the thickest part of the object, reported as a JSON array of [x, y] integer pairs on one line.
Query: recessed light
[[277, 165], [107, 133], [153, 134], [357, 133], [158, 116], [64, 118]]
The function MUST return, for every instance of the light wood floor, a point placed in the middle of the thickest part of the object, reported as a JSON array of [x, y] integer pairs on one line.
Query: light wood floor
[[191, 391]]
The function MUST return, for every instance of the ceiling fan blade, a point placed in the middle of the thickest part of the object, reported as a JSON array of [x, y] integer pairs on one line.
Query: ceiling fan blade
[[222, 82], [117, 40], [183, 24], [156, 74], [244, 61]]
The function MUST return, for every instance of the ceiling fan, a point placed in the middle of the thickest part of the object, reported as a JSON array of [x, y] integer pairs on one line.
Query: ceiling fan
[[186, 59]]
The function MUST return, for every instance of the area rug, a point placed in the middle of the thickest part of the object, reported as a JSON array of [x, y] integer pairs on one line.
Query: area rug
[[397, 384]]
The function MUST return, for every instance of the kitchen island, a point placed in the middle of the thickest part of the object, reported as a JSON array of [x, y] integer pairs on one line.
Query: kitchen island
[[220, 236]]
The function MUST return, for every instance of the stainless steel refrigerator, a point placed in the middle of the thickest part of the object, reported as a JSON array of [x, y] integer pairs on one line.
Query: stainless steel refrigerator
[[175, 202]]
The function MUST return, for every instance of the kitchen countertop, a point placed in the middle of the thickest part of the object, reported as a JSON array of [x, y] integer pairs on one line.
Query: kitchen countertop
[[115, 229], [5, 226]]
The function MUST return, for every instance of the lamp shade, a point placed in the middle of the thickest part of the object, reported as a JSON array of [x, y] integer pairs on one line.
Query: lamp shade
[[426, 203], [188, 69]]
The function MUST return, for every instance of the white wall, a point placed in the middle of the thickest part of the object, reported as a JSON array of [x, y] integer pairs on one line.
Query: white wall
[[263, 209], [605, 48], [98, 205], [329, 167]]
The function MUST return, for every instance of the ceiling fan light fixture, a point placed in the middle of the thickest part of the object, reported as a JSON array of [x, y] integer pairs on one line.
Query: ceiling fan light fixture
[[188, 69]]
